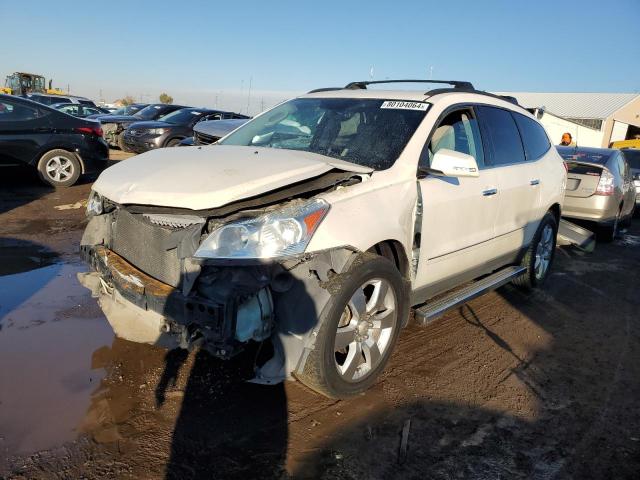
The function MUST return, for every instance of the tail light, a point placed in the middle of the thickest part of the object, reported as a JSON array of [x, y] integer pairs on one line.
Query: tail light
[[605, 185], [97, 131]]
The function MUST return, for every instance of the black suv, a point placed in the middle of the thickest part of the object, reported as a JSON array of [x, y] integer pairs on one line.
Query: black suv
[[59, 146], [115, 125]]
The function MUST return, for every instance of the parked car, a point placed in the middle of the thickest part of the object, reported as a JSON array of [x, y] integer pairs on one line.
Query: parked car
[[114, 125], [170, 130], [52, 99], [124, 110], [632, 156], [599, 188], [210, 131], [78, 110], [620, 144], [318, 224], [59, 146]]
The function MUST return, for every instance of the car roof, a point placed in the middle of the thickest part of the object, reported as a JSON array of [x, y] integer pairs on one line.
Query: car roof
[[461, 91]]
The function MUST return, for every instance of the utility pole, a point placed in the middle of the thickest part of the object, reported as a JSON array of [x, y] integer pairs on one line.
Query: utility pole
[[249, 95]]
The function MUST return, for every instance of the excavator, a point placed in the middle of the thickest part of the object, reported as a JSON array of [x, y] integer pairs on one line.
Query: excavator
[[21, 83]]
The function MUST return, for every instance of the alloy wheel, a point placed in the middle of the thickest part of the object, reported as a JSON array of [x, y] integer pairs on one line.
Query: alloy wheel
[[365, 330], [544, 251], [59, 168]]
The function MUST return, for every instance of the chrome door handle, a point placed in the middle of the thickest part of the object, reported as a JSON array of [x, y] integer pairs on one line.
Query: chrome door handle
[[490, 191], [534, 182]]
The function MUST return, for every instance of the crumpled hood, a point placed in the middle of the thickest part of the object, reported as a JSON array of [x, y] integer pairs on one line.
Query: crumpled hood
[[200, 178]]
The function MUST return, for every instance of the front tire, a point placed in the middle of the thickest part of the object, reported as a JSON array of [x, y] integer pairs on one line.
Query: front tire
[[360, 327], [121, 144], [174, 142], [59, 168], [540, 254]]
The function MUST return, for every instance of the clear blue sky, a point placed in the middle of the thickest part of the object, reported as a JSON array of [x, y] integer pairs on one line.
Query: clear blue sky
[[198, 49]]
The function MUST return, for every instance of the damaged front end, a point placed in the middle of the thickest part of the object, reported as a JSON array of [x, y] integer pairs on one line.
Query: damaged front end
[[216, 279]]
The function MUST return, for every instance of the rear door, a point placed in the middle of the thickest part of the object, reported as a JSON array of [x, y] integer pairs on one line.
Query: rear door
[[518, 180], [24, 128]]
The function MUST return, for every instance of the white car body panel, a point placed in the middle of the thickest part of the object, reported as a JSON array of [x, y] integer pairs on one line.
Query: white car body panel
[[202, 178]]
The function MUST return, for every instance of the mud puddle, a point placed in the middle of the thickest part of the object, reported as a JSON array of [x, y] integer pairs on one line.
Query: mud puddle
[[49, 329]]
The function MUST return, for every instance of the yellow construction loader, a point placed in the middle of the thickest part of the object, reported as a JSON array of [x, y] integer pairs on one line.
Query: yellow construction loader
[[21, 83]]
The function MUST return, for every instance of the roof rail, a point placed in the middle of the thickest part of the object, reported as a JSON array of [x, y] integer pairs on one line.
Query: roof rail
[[326, 89], [454, 83]]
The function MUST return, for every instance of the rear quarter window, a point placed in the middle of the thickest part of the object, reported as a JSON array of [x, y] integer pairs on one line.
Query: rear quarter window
[[534, 138]]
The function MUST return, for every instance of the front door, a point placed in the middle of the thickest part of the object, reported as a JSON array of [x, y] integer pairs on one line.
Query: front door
[[458, 213]]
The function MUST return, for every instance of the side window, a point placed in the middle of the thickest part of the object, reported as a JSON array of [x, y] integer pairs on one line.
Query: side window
[[17, 112], [457, 131], [502, 135], [622, 167], [535, 140]]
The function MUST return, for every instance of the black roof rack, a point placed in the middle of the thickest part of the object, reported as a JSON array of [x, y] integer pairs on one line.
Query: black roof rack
[[453, 83], [325, 89]]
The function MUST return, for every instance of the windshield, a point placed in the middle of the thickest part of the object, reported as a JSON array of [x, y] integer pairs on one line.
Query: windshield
[[632, 157], [369, 132], [183, 116], [148, 113], [589, 156]]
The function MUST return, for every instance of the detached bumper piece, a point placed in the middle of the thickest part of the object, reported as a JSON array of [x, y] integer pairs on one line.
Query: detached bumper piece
[[191, 320]]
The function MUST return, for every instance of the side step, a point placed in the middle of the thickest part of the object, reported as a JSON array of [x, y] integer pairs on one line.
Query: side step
[[432, 310], [572, 234]]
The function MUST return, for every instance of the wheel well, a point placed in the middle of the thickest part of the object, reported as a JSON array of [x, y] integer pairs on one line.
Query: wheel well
[[393, 251], [555, 209]]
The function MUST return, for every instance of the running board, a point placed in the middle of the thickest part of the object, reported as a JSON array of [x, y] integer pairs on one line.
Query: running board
[[432, 310]]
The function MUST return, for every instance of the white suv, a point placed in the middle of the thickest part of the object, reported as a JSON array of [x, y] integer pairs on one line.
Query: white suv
[[319, 224]]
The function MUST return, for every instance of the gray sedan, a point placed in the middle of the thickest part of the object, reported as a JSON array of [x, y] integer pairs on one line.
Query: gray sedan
[[599, 189]]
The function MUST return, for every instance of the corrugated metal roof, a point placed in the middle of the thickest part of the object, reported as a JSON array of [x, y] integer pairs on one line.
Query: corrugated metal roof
[[575, 105]]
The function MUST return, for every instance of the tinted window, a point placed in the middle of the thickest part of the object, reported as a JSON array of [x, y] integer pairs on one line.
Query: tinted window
[[183, 117], [16, 112], [458, 131], [535, 140], [502, 135], [633, 158], [70, 109]]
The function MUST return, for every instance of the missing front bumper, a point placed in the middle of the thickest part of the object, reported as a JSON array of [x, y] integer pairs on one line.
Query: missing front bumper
[[143, 309]]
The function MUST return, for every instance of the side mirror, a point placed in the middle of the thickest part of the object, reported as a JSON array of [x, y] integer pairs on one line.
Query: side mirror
[[449, 163]]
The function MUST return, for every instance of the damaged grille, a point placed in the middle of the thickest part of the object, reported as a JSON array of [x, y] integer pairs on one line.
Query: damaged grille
[[149, 247], [204, 139]]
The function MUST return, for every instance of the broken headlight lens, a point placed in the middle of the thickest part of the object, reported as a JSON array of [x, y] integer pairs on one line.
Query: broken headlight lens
[[95, 204], [277, 234]]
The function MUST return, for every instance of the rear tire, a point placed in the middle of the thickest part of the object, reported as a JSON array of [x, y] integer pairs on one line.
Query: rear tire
[[609, 233], [540, 254], [121, 145], [59, 168], [360, 327]]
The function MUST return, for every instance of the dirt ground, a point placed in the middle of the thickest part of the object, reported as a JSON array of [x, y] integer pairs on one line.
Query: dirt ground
[[537, 386]]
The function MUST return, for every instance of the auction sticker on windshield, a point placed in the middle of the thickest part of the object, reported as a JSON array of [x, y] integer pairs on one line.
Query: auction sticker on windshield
[[402, 105]]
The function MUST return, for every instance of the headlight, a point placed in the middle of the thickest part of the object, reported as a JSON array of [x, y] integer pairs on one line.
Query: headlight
[[156, 131], [276, 234], [95, 204]]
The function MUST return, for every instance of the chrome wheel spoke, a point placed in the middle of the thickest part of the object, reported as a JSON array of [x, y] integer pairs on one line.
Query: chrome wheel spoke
[[352, 362], [378, 297], [372, 353], [358, 304], [345, 336], [384, 319]]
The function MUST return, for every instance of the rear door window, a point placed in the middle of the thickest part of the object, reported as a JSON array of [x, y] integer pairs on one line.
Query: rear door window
[[501, 135], [535, 140], [17, 112]]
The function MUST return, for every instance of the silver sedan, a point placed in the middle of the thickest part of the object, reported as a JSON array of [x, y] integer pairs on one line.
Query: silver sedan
[[599, 189]]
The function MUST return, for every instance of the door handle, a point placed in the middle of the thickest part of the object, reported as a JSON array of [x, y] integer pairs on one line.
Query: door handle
[[489, 191], [534, 182]]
